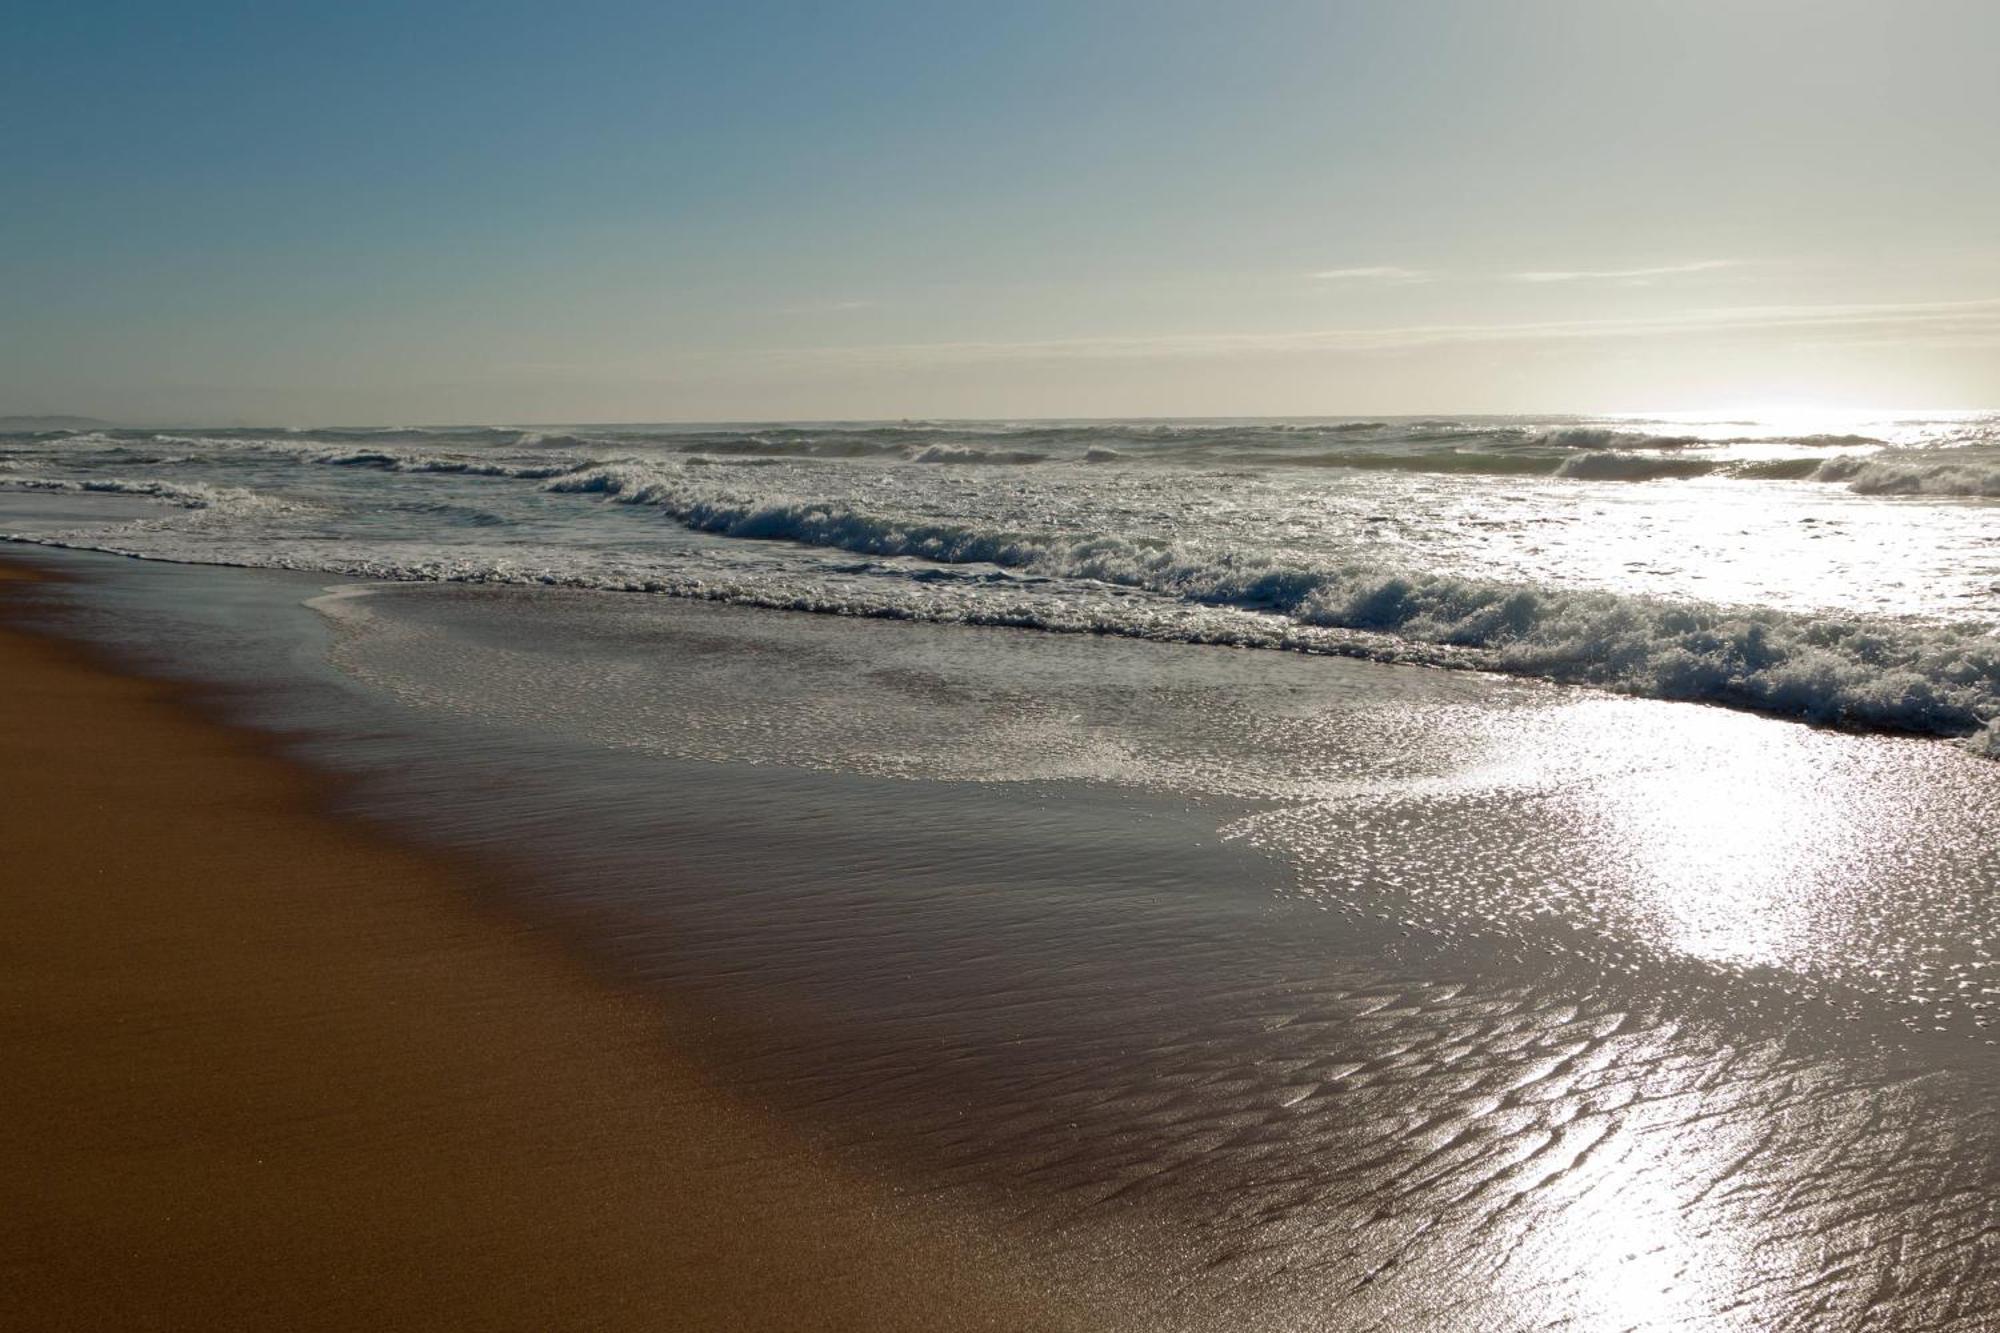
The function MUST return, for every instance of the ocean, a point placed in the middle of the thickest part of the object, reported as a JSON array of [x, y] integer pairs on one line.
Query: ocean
[[1846, 569], [1444, 873]]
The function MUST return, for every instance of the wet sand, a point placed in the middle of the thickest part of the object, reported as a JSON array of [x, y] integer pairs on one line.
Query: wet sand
[[266, 1069], [1426, 1047]]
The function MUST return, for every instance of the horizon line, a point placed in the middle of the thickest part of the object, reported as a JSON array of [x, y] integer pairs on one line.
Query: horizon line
[[505, 423]]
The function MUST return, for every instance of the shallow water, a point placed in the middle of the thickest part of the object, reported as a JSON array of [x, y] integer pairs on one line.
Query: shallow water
[[1260, 990]]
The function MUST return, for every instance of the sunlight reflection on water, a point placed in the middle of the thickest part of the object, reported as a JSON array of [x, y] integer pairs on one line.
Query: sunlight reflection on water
[[1744, 841], [1478, 1091], [1634, 829]]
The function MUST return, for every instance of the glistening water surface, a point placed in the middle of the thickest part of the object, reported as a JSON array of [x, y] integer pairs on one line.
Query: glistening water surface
[[1841, 568], [1259, 989], [1248, 989]]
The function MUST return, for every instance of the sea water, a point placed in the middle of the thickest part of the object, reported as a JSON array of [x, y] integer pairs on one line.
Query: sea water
[[1841, 569]]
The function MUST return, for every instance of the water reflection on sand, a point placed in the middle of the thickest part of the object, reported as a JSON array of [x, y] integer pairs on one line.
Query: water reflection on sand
[[1245, 990], [1493, 1006]]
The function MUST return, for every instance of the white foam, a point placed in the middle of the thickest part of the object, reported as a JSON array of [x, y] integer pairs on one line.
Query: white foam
[[1937, 679], [1941, 472], [186, 495], [1290, 562]]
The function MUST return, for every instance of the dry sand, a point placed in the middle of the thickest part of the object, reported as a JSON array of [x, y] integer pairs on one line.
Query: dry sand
[[267, 1069]]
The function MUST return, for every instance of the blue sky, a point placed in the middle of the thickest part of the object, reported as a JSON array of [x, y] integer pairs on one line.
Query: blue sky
[[431, 212]]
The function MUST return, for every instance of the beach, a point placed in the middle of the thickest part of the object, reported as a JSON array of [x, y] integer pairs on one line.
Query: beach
[[1305, 668], [268, 1069], [1016, 889]]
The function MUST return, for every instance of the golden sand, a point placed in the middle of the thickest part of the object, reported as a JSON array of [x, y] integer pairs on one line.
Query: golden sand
[[267, 1069]]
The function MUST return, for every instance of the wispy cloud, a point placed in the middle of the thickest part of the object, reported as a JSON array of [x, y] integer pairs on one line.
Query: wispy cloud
[[1974, 322], [1374, 273], [1624, 274], [827, 307]]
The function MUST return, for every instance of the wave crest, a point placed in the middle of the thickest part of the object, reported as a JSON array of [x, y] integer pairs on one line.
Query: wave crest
[[186, 495], [476, 467], [958, 453], [1905, 475], [1942, 680], [1606, 437], [1616, 466]]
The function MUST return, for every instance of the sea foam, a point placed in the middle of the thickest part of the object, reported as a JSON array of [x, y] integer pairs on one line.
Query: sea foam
[[1942, 680], [1270, 549], [1952, 472], [185, 495]]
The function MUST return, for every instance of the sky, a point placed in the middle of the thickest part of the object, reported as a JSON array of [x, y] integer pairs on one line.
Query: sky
[[428, 212]]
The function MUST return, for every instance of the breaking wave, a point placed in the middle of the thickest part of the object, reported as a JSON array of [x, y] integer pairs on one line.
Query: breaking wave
[[1602, 437], [393, 462], [1954, 461], [958, 453], [186, 495], [1071, 554], [1905, 474], [1942, 680], [1610, 466]]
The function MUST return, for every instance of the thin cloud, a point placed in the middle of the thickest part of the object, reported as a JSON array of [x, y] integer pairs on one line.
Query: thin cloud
[[1373, 273], [827, 307], [1624, 274], [1975, 322]]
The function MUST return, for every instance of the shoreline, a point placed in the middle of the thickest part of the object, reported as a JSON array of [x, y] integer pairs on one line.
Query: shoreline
[[270, 1068], [889, 1048]]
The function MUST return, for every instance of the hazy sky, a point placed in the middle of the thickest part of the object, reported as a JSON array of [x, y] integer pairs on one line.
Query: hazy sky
[[365, 212]]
